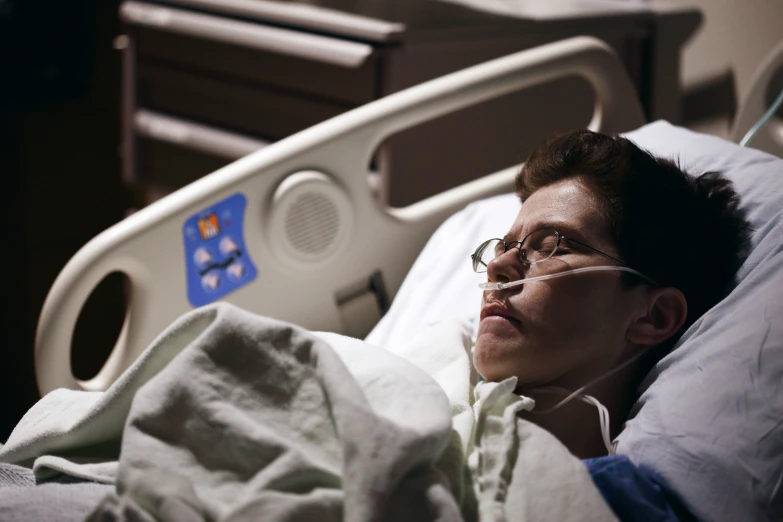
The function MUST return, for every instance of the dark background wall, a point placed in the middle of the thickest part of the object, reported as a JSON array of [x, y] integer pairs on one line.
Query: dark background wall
[[60, 173]]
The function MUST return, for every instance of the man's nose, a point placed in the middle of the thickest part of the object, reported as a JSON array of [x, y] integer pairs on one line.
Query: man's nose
[[505, 267]]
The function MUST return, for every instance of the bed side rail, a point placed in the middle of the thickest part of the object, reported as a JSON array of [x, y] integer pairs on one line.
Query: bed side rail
[[304, 217]]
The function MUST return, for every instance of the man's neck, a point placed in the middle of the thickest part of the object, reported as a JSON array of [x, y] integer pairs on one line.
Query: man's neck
[[577, 424]]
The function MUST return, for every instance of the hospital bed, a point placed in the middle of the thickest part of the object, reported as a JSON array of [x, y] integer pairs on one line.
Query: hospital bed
[[317, 249]]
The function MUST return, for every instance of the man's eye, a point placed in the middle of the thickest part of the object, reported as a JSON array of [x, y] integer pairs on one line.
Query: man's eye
[[553, 251], [546, 248]]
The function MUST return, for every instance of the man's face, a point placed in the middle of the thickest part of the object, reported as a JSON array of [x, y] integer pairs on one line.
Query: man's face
[[562, 331]]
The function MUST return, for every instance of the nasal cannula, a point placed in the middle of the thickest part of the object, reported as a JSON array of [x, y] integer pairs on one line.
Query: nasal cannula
[[512, 284]]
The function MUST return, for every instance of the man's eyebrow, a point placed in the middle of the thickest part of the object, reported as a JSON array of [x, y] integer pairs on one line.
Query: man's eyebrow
[[563, 227]]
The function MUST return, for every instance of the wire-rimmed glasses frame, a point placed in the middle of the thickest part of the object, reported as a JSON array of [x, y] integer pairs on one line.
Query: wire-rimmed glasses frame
[[541, 237]]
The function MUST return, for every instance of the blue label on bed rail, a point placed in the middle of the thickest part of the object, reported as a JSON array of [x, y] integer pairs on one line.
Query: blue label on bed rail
[[216, 258]]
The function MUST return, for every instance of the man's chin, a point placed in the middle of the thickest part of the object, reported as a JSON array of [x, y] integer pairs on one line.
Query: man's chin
[[496, 358]]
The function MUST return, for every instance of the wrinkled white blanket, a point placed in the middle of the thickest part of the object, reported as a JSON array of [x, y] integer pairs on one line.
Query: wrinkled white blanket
[[232, 416]]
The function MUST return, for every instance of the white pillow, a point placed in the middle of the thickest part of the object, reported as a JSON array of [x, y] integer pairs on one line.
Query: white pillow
[[441, 283], [710, 420]]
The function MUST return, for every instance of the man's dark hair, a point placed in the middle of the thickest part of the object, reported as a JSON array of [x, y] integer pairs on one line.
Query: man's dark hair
[[682, 231]]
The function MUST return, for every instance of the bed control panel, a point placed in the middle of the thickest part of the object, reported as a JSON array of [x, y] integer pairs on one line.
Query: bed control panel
[[216, 260]]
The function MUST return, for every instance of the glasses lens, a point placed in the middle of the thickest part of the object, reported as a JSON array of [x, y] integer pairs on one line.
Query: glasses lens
[[485, 253], [540, 246]]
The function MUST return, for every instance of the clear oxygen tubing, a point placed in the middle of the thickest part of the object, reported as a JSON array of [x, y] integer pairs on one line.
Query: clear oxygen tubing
[[762, 121], [603, 412], [512, 284]]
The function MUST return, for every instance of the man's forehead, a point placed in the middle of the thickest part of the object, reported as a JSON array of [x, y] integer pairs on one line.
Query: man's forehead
[[566, 206], [564, 195]]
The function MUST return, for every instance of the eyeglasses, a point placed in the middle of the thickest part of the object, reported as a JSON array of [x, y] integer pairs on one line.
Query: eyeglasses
[[536, 247]]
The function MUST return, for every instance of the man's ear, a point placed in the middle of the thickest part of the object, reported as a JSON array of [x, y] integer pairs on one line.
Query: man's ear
[[665, 313]]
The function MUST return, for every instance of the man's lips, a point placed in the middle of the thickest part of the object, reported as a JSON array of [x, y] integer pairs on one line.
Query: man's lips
[[497, 310]]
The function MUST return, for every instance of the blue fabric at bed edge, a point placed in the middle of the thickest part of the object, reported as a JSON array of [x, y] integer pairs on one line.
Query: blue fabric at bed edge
[[634, 492]]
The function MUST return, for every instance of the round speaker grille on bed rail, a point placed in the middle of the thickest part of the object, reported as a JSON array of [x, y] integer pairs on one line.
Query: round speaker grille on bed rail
[[312, 222], [310, 219]]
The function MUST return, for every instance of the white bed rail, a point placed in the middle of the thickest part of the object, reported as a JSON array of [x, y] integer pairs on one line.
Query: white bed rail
[[769, 138], [365, 243]]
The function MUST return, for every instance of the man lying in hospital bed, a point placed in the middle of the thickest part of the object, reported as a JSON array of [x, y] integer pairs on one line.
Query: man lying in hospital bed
[[708, 418], [214, 432]]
